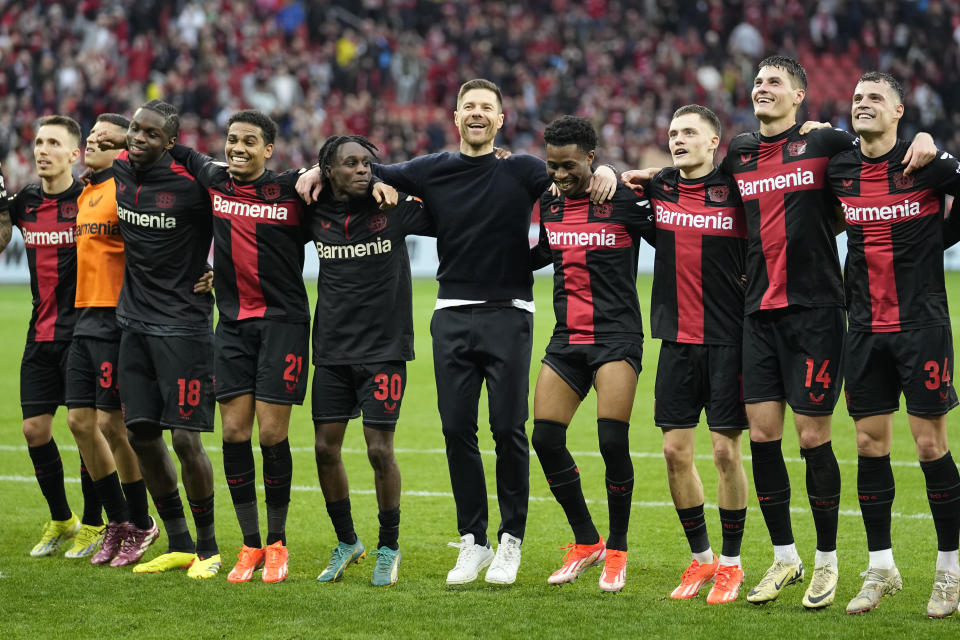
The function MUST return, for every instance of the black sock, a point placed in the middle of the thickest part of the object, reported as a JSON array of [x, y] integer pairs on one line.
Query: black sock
[[111, 495], [732, 522], [238, 466], [694, 525], [339, 512], [875, 491], [823, 490], [550, 442], [615, 449], [48, 467], [136, 495], [92, 508], [773, 489], [277, 473], [389, 528], [943, 493], [170, 510], [203, 519]]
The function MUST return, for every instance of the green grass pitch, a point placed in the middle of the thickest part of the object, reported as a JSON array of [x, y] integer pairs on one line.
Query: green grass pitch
[[55, 597]]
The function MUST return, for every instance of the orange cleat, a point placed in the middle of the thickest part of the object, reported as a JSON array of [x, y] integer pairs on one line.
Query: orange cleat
[[614, 575], [275, 562], [248, 560], [726, 584], [695, 576], [579, 558]]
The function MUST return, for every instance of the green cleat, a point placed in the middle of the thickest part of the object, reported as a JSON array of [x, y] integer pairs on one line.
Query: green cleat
[[385, 574], [343, 554]]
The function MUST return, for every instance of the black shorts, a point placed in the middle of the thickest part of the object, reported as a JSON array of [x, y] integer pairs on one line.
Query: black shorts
[[693, 377], [341, 391], [794, 354], [167, 380], [263, 357], [43, 371], [92, 374], [577, 364], [918, 362]]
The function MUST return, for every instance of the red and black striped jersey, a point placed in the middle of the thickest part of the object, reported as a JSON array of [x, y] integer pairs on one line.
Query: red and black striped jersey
[[165, 222], [258, 238], [48, 223], [698, 270], [791, 247], [594, 250], [895, 237]]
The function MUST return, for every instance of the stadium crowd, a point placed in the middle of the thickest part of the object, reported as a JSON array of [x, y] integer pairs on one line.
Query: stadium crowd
[[390, 69]]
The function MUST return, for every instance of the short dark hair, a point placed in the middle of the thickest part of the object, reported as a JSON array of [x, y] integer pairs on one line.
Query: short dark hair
[[571, 130], [171, 119], [793, 68], [328, 152], [881, 76], [703, 112], [68, 123], [268, 128], [114, 118], [480, 83]]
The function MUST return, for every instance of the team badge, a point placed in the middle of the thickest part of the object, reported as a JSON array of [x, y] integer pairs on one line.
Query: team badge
[[718, 193], [165, 200], [377, 223], [745, 158], [604, 210], [270, 191], [797, 148], [901, 181], [847, 183], [68, 209]]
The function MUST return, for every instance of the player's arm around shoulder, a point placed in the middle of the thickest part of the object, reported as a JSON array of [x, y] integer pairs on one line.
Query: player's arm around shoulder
[[634, 208], [6, 223], [416, 218], [202, 167]]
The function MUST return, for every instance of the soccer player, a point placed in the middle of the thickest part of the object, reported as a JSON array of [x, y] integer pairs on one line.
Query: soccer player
[[597, 341], [46, 214], [697, 311], [900, 339], [166, 345], [364, 273], [92, 392], [482, 325]]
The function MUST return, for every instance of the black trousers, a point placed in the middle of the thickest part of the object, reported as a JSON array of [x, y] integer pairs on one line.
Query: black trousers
[[473, 345]]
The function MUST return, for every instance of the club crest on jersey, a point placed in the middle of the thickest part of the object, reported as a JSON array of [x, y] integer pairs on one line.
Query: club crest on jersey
[[68, 209], [270, 191], [604, 210], [377, 223], [718, 193], [901, 181], [797, 148], [165, 199]]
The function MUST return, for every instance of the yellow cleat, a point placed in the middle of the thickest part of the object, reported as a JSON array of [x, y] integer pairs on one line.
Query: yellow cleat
[[87, 541], [206, 568], [166, 562], [55, 533]]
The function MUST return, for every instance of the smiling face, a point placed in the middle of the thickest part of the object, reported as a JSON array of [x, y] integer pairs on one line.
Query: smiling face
[[94, 157], [478, 118], [246, 151], [876, 108], [146, 138], [569, 168], [692, 143], [349, 174], [54, 151], [775, 95]]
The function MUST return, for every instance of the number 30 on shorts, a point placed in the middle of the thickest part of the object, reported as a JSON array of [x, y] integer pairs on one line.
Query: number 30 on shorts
[[388, 386]]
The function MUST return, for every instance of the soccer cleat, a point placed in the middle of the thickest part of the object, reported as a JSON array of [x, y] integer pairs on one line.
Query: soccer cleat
[[876, 584], [946, 594], [472, 558], [579, 558], [614, 574], [506, 562], [248, 560], [779, 575], [112, 539], [386, 571], [55, 533], [166, 562], [86, 542], [205, 568], [823, 587], [343, 554], [135, 544], [695, 576], [275, 563], [726, 584]]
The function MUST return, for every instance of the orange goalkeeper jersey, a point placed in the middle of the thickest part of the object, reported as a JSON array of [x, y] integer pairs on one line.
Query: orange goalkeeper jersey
[[100, 257]]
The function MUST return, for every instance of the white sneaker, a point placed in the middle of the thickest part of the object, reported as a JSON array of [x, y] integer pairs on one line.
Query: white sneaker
[[505, 564], [472, 558]]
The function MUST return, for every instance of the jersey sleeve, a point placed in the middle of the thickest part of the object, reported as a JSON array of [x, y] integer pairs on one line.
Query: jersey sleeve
[[834, 140], [202, 167], [540, 255], [944, 173], [636, 212], [534, 171], [404, 176], [416, 219]]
